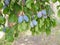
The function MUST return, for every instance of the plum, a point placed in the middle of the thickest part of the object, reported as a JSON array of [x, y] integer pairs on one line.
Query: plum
[[34, 22], [39, 15], [43, 12], [31, 24], [20, 19], [26, 18], [6, 2]]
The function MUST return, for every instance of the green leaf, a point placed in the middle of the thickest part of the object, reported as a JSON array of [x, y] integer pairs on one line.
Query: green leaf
[[33, 30], [13, 17], [22, 26], [28, 3], [59, 0], [47, 0], [53, 22], [54, 1], [9, 38], [6, 10], [9, 34], [58, 6], [48, 30], [7, 29], [16, 34], [49, 10], [16, 8], [29, 6], [2, 20], [1, 28], [59, 13], [1, 5]]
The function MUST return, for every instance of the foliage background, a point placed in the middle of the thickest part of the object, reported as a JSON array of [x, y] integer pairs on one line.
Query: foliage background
[[12, 28]]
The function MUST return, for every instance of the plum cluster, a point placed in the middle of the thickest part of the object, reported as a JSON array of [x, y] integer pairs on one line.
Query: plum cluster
[[39, 15], [42, 14], [33, 22], [23, 18]]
